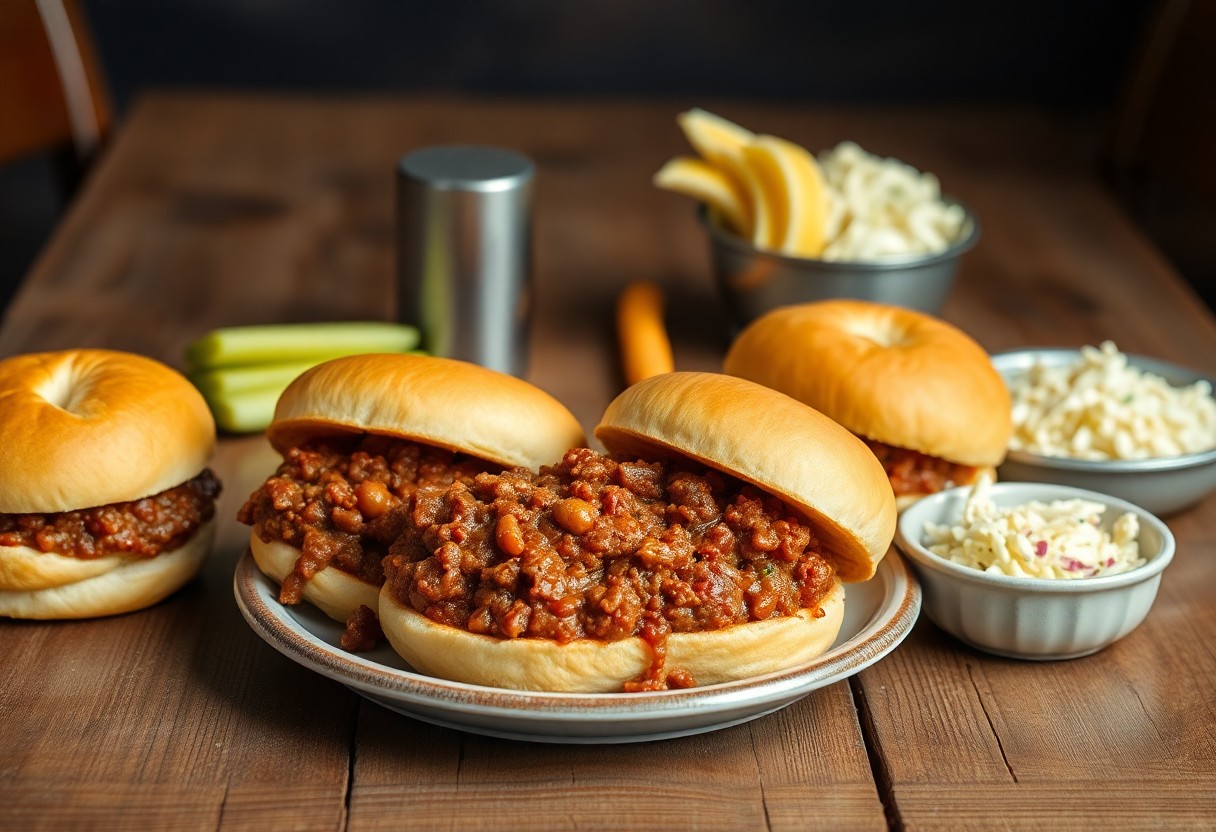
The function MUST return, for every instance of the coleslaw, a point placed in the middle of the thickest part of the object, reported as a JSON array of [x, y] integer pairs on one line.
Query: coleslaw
[[1060, 539]]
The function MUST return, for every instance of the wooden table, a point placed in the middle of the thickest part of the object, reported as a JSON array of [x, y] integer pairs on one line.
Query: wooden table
[[211, 210]]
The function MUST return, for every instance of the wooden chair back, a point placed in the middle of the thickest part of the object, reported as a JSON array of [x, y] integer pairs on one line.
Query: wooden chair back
[[52, 92], [1166, 125]]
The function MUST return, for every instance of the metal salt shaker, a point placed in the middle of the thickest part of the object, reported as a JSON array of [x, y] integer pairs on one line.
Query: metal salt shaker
[[464, 252]]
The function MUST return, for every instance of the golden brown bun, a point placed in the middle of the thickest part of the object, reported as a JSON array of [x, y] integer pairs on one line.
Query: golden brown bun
[[589, 666], [50, 591], [333, 591], [884, 372], [434, 401], [23, 568], [85, 428], [905, 500], [766, 438]]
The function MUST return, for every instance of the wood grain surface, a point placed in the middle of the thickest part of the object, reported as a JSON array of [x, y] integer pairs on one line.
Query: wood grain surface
[[220, 209]]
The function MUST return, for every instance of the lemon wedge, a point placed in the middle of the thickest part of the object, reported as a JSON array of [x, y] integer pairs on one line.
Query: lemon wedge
[[767, 189], [763, 231], [720, 142], [706, 183], [789, 183], [713, 136]]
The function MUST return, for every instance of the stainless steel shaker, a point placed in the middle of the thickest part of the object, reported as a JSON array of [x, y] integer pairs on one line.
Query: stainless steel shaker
[[464, 252]]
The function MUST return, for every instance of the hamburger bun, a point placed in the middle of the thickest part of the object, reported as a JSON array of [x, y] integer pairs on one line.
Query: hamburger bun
[[589, 666], [433, 401], [767, 439], [886, 373], [441, 402], [334, 592], [91, 428], [109, 586], [757, 435]]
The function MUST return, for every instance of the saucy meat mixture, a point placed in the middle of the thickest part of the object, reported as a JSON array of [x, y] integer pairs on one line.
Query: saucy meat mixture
[[606, 548], [140, 528], [342, 501], [912, 472]]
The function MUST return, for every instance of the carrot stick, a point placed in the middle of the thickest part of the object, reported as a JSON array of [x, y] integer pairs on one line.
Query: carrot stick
[[645, 348]]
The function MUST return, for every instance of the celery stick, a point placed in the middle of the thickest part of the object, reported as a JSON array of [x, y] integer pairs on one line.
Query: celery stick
[[247, 412], [222, 382], [281, 343]]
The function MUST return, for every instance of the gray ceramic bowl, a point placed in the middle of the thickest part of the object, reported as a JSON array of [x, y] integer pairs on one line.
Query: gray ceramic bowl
[[1164, 485], [753, 281], [1033, 618]]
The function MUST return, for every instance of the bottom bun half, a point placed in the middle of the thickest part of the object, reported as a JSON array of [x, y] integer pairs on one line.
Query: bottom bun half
[[588, 666], [332, 591], [45, 585]]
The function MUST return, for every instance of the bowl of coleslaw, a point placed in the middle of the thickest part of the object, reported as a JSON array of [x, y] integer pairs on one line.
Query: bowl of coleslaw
[[891, 236], [1127, 425], [1035, 570]]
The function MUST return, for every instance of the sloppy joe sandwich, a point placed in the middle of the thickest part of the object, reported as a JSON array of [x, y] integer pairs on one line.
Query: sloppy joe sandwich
[[367, 441], [922, 394], [709, 545], [106, 501]]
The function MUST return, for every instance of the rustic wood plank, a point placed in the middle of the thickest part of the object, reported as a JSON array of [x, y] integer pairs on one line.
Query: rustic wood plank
[[1064, 805], [62, 804], [773, 773], [177, 716], [56, 803]]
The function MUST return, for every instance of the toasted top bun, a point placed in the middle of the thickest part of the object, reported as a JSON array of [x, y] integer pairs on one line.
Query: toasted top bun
[[884, 372], [590, 666], [85, 428], [435, 401], [765, 438]]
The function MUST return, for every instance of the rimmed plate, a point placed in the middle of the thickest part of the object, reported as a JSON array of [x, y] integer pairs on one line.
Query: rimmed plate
[[878, 615]]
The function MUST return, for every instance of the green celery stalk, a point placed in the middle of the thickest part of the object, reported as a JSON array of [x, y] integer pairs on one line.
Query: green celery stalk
[[222, 382], [249, 411], [285, 343]]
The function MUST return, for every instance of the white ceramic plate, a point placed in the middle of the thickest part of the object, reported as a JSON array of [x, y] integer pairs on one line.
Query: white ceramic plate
[[878, 615]]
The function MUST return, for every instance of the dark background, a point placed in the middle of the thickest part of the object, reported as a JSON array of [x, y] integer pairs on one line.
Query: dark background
[[1070, 58], [1059, 53]]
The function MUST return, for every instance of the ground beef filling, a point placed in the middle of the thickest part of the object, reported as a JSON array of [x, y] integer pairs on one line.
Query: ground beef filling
[[140, 528], [912, 472], [606, 548], [341, 502], [362, 631]]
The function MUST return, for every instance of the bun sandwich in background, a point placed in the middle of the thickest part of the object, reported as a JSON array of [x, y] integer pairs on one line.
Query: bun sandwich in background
[[709, 545], [921, 393], [368, 442], [106, 502]]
